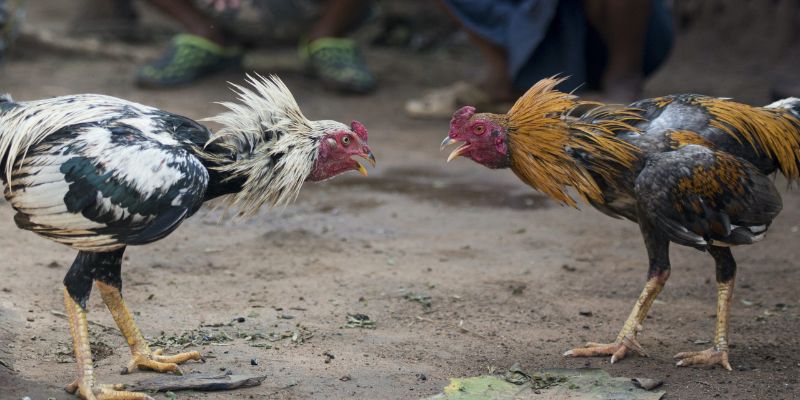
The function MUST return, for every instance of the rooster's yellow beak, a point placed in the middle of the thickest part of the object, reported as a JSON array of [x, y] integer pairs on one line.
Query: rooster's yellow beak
[[370, 158], [361, 169], [446, 142], [457, 152]]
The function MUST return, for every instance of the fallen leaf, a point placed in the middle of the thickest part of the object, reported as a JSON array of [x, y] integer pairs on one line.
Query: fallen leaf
[[551, 384]]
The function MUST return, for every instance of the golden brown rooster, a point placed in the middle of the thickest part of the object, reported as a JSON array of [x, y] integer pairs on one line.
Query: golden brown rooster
[[689, 169], [98, 174]]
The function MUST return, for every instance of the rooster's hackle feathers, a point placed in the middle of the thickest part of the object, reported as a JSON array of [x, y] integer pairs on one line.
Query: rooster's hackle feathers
[[542, 134], [273, 145]]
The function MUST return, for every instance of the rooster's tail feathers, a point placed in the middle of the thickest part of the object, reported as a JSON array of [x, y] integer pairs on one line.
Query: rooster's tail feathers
[[791, 105], [772, 130], [6, 101]]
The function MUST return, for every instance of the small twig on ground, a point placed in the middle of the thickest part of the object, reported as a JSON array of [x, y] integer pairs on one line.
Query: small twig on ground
[[201, 382], [420, 298], [359, 321], [287, 387], [707, 384], [419, 318], [467, 331]]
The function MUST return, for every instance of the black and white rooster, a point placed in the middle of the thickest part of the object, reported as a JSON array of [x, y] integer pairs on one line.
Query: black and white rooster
[[99, 173]]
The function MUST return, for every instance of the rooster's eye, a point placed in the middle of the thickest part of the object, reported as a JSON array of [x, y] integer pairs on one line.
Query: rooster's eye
[[479, 129], [346, 140]]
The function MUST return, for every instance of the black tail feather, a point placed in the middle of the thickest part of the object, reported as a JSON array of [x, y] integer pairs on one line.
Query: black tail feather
[[790, 103]]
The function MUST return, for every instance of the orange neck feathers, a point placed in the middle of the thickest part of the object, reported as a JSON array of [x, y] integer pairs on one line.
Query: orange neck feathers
[[542, 134]]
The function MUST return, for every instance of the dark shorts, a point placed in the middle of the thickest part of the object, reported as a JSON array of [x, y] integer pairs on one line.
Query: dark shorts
[[548, 37]]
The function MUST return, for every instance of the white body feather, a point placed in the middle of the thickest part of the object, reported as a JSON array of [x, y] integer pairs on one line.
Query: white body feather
[[148, 163], [31, 122], [270, 144]]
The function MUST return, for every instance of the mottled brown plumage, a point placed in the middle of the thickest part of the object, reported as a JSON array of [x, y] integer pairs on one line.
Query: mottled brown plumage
[[689, 169], [679, 139]]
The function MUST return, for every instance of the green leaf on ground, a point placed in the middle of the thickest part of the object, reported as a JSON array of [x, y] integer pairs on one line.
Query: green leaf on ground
[[562, 384]]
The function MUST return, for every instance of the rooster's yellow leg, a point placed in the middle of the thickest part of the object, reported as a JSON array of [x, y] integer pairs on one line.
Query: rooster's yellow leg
[[719, 353], [626, 340], [85, 386], [726, 275], [143, 357]]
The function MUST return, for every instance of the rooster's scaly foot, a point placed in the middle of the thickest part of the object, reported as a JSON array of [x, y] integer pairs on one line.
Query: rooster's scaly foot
[[159, 363], [617, 350], [86, 390], [710, 356]]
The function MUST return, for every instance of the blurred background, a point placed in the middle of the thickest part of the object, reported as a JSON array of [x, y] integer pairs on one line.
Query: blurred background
[[742, 49], [464, 269]]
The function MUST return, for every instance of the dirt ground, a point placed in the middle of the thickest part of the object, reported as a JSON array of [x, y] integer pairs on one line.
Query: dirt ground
[[511, 276]]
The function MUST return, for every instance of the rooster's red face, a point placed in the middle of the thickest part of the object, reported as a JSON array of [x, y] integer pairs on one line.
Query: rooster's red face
[[337, 149], [484, 137]]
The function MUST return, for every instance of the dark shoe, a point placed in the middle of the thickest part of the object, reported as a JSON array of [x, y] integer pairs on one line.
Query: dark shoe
[[187, 59], [339, 64]]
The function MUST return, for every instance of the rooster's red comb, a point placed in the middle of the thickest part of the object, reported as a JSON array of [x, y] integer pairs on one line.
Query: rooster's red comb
[[359, 129], [461, 116]]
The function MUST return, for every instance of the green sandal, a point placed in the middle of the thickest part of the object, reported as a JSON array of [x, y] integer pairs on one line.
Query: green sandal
[[339, 64], [187, 59]]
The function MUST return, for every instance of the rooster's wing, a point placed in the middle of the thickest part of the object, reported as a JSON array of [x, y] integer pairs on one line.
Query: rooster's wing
[[699, 197], [98, 187]]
